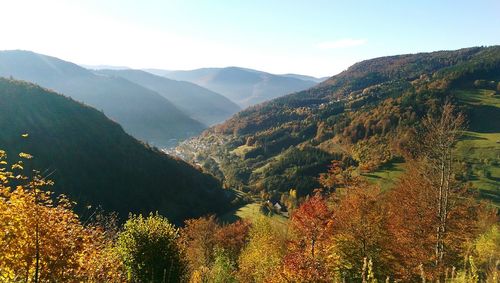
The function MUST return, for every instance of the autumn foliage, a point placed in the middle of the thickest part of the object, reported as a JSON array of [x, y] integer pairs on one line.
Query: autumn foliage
[[42, 239], [209, 246], [428, 228], [307, 252]]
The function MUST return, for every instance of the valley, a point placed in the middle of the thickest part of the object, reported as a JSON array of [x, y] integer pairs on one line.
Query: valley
[[373, 167]]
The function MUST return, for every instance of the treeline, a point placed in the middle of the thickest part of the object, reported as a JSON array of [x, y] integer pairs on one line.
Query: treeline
[[427, 228]]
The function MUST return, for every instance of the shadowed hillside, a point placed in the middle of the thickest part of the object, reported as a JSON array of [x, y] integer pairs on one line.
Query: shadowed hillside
[[95, 162]]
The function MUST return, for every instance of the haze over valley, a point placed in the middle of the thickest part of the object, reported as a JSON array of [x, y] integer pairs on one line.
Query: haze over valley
[[246, 87]]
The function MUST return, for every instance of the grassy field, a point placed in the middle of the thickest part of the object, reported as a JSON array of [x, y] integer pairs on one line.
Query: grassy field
[[242, 150], [386, 176], [480, 147], [479, 97], [251, 211], [481, 153]]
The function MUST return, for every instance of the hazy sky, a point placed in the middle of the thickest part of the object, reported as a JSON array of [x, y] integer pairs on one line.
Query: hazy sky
[[319, 38]]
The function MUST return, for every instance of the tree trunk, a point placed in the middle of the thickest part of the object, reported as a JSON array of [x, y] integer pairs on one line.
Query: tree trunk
[[37, 241]]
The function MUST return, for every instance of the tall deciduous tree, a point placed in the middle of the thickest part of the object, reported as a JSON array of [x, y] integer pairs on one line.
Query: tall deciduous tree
[[232, 238], [428, 211], [306, 260], [441, 135], [411, 216], [197, 241], [261, 259], [358, 232]]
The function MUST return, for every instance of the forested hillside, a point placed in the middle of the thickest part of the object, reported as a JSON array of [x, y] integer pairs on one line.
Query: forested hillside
[[93, 161], [199, 103], [368, 117], [142, 112]]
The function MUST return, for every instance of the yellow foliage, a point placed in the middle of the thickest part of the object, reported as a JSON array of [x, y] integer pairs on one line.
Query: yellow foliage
[[487, 247], [45, 237], [260, 260], [25, 155]]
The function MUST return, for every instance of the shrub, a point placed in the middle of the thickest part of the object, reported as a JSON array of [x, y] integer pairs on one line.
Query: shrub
[[149, 249]]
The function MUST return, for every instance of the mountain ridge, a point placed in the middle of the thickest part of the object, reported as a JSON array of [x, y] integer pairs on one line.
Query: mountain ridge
[[143, 113], [199, 103]]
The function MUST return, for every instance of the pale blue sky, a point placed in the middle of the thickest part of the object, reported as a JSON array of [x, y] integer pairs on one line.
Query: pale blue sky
[[319, 38]]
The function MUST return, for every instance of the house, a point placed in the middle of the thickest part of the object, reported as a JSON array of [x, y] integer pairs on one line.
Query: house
[[278, 207]]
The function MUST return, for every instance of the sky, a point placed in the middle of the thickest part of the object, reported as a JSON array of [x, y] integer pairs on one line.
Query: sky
[[311, 37]]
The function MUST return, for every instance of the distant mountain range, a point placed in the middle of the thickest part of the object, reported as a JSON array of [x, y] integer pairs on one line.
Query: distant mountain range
[[199, 103], [105, 67], [93, 161], [158, 106], [306, 78], [142, 112], [245, 87]]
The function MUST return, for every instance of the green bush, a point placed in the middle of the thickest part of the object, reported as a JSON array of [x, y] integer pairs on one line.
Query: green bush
[[149, 250], [223, 270]]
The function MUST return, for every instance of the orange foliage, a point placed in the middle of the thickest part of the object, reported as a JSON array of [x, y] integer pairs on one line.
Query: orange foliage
[[306, 260], [338, 177], [201, 237], [412, 226], [358, 230], [233, 237]]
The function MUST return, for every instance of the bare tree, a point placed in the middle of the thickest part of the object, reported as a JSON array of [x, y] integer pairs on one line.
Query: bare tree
[[441, 135]]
